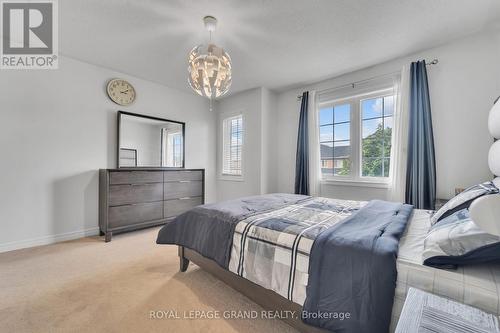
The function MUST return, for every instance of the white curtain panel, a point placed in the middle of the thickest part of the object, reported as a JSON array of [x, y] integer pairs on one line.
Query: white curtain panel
[[399, 151], [314, 153]]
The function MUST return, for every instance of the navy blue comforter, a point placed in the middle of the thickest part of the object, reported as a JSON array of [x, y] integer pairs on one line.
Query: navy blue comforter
[[352, 269], [209, 229]]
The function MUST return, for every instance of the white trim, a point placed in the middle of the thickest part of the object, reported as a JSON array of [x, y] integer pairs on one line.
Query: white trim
[[231, 178], [355, 183], [380, 94], [50, 239], [357, 96]]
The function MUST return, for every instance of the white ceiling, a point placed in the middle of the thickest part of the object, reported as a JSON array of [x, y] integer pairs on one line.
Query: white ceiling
[[273, 43]]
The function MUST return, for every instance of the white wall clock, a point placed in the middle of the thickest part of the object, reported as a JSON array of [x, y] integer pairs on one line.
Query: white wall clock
[[121, 92]]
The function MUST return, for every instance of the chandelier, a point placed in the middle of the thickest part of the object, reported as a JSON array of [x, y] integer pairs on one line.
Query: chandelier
[[209, 67]]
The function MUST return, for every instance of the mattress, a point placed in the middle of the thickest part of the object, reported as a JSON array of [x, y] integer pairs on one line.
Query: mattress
[[477, 286]]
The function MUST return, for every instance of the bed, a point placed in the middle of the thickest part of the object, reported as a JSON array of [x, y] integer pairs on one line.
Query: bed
[[254, 245], [477, 285]]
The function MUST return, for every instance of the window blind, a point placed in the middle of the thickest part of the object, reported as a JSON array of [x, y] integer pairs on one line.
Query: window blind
[[232, 146]]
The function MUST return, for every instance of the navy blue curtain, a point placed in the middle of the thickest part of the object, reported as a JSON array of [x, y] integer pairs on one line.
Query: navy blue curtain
[[302, 156], [421, 167]]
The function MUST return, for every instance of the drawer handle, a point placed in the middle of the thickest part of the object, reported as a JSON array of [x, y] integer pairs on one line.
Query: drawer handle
[[184, 198], [184, 181]]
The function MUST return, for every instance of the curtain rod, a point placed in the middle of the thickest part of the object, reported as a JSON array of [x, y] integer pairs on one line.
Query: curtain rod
[[433, 62]]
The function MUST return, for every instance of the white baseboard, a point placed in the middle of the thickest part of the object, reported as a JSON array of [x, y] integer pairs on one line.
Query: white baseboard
[[45, 240]]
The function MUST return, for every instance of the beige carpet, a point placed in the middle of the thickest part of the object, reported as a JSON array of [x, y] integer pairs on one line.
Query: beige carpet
[[91, 286]]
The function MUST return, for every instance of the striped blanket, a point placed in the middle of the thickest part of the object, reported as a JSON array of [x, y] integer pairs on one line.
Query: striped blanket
[[272, 248], [331, 256]]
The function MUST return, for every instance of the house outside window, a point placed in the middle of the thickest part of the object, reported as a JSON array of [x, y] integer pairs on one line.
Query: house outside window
[[355, 135]]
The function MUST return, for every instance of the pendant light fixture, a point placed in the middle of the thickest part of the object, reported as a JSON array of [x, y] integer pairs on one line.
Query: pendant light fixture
[[209, 67]]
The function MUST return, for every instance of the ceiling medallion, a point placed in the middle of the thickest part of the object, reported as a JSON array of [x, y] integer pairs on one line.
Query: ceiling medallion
[[209, 67]]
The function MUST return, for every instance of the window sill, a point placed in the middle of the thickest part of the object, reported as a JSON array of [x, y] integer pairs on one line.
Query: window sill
[[231, 178], [355, 183]]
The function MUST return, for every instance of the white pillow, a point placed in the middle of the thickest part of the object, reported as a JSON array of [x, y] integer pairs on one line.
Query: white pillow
[[464, 200]]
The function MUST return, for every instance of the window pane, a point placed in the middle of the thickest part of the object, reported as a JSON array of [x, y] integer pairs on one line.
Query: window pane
[[326, 153], [342, 113], [341, 167], [326, 168], [326, 116], [387, 163], [326, 133], [342, 158], [232, 145], [387, 142], [342, 149], [342, 131], [326, 150], [376, 147], [372, 147], [371, 127], [371, 108], [387, 123], [372, 167], [388, 105]]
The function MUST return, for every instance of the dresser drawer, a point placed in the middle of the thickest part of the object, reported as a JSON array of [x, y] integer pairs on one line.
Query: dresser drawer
[[178, 206], [172, 176], [135, 177], [135, 193], [181, 189], [136, 213]]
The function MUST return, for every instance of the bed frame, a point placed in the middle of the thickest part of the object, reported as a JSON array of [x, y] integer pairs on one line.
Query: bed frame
[[266, 298]]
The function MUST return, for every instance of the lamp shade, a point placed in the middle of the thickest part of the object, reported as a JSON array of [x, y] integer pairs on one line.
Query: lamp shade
[[494, 158], [209, 71], [494, 120]]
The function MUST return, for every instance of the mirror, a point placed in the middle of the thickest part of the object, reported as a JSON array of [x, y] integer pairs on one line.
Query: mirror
[[145, 141]]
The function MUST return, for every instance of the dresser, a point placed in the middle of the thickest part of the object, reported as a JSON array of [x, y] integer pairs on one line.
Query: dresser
[[131, 199]]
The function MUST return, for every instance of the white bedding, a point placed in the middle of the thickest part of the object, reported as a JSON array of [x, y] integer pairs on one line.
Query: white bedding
[[478, 286]]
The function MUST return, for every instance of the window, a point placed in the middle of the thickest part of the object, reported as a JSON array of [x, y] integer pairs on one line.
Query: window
[[376, 136], [173, 148], [232, 146], [176, 149], [355, 136], [335, 140]]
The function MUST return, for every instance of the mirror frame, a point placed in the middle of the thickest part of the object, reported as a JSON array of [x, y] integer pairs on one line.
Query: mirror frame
[[120, 113]]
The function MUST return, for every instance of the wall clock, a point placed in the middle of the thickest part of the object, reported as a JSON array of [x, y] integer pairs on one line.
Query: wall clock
[[121, 92]]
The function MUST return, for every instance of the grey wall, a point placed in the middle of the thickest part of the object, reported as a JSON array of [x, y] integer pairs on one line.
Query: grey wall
[[58, 128], [269, 162]]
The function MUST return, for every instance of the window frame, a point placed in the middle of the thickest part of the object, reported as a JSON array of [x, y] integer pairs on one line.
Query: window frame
[[165, 135], [176, 135], [225, 136], [356, 121], [333, 104]]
